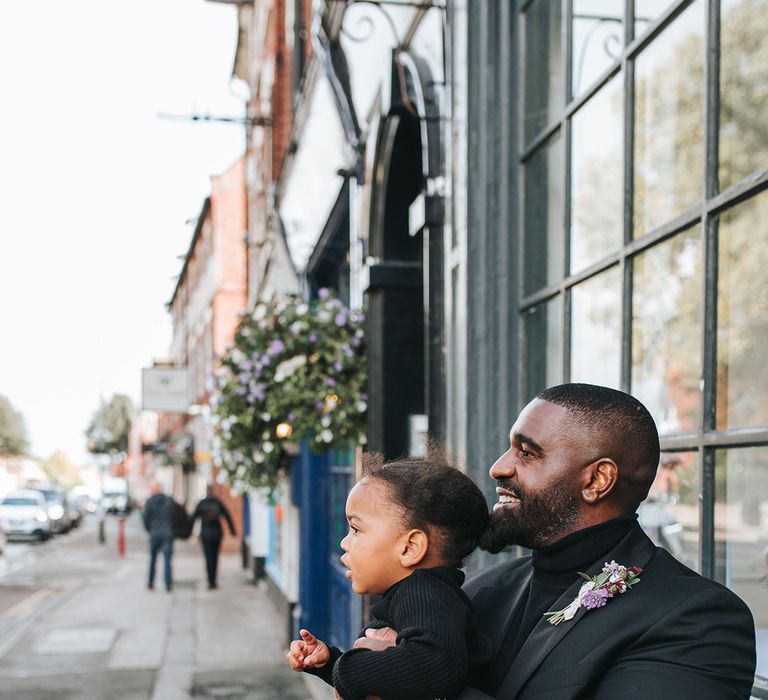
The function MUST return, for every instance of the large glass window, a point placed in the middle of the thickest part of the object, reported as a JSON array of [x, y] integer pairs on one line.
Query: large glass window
[[741, 533], [645, 249], [669, 122], [742, 316], [544, 250], [597, 177], [596, 325], [666, 331], [743, 93]]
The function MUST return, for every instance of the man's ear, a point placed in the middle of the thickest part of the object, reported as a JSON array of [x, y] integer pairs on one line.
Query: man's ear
[[599, 479], [414, 545]]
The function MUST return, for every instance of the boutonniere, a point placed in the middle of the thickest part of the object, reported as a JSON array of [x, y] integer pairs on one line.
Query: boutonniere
[[595, 592]]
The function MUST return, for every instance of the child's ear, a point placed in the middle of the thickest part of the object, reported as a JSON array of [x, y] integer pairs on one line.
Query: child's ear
[[413, 548]]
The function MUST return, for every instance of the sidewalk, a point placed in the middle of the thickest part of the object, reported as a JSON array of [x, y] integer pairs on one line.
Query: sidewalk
[[105, 632]]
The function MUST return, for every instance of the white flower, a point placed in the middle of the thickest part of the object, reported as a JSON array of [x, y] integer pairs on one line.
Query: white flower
[[302, 309], [259, 312], [361, 406], [266, 435], [221, 478], [267, 447], [362, 440], [287, 367], [326, 436], [237, 356], [266, 417], [573, 608], [325, 421], [258, 457]]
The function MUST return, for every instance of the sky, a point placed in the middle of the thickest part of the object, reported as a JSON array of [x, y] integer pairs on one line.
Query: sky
[[96, 192]]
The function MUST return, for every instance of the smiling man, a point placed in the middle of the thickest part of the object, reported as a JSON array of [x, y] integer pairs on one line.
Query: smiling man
[[580, 461]]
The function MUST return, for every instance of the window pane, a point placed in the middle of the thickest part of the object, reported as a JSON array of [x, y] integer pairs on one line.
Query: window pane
[[595, 325], [666, 331], [742, 316], [543, 365], [670, 514], [597, 177], [598, 40], [544, 93], [647, 12], [741, 533], [544, 216], [743, 97], [669, 122]]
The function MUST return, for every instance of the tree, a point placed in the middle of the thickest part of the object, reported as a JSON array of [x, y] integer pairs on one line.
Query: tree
[[110, 425], [13, 431], [60, 469]]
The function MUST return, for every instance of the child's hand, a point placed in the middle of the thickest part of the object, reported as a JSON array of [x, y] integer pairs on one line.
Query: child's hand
[[307, 651]]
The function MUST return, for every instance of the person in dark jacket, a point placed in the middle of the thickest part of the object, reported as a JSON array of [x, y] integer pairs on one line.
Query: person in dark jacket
[[210, 511], [158, 522]]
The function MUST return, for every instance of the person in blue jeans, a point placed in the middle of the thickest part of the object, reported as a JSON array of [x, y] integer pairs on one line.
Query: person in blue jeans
[[158, 522]]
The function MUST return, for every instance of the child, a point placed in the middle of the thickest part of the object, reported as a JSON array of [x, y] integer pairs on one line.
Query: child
[[411, 525]]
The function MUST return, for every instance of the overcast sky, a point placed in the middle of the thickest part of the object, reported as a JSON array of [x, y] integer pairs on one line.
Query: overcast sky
[[95, 191]]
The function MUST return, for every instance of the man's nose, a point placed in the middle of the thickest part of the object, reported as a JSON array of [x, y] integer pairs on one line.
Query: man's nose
[[504, 466]]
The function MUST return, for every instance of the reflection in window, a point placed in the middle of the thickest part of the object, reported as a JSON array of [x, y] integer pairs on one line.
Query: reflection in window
[[544, 216], [743, 97], [741, 533], [598, 40], [670, 514], [742, 316], [544, 93], [666, 331], [669, 122], [597, 177], [543, 347], [596, 322]]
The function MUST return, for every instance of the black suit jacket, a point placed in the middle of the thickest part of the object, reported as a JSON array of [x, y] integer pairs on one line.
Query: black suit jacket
[[674, 635]]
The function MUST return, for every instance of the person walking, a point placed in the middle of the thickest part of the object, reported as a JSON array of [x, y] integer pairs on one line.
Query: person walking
[[210, 511], [158, 522]]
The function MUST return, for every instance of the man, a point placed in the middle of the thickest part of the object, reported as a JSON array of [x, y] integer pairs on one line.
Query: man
[[210, 511], [158, 522], [581, 459]]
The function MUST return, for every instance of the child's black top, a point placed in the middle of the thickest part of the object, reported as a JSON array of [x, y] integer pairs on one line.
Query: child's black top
[[432, 616]]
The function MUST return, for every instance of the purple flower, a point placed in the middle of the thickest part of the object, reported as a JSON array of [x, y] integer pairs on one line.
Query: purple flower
[[340, 319], [276, 347], [291, 416], [323, 293], [241, 391], [245, 366], [312, 338], [258, 392], [364, 397], [319, 405], [596, 598], [348, 351], [330, 381], [338, 366], [243, 378]]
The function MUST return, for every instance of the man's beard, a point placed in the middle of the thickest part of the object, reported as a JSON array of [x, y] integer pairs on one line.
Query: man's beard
[[538, 520]]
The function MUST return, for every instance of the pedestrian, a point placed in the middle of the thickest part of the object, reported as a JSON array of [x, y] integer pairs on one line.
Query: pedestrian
[[411, 525], [581, 460], [158, 522], [210, 511]]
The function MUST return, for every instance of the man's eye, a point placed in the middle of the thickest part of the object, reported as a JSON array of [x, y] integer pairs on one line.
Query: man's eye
[[525, 454]]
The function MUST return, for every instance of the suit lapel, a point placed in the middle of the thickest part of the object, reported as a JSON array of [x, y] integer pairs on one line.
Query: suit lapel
[[634, 550]]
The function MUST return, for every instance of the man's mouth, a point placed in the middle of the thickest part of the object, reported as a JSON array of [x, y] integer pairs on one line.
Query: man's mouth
[[507, 499]]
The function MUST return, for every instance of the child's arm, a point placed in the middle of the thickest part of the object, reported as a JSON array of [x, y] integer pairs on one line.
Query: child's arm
[[308, 651]]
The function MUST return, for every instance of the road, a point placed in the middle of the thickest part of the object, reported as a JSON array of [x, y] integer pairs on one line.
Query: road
[[76, 621]]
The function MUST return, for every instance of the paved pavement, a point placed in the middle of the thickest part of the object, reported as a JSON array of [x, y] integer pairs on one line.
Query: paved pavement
[[76, 621]]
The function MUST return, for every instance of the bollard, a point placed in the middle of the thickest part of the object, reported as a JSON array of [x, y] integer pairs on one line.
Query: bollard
[[102, 537], [121, 535]]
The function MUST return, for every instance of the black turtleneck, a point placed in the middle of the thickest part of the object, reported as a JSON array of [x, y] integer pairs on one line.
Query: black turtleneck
[[555, 568]]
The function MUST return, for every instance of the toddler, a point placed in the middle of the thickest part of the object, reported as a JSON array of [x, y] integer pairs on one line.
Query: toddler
[[411, 525]]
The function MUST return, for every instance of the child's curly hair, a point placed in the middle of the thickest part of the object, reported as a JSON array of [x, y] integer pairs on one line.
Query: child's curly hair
[[434, 496]]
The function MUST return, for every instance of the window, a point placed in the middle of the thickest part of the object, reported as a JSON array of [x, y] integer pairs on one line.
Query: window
[[644, 173]]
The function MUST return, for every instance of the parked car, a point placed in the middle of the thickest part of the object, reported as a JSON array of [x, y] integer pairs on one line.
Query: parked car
[[3, 540], [23, 513], [57, 506]]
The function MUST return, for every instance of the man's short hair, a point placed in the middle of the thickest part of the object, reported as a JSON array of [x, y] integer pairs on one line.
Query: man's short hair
[[620, 425]]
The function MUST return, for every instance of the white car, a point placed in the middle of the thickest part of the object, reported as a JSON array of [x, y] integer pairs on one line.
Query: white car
[[23, 514], [3, 540]]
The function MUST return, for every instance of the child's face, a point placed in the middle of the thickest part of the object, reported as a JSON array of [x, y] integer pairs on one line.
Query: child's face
[[374, 542]]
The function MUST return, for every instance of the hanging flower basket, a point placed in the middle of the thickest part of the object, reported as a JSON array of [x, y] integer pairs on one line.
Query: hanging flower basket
[[295, 371]]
